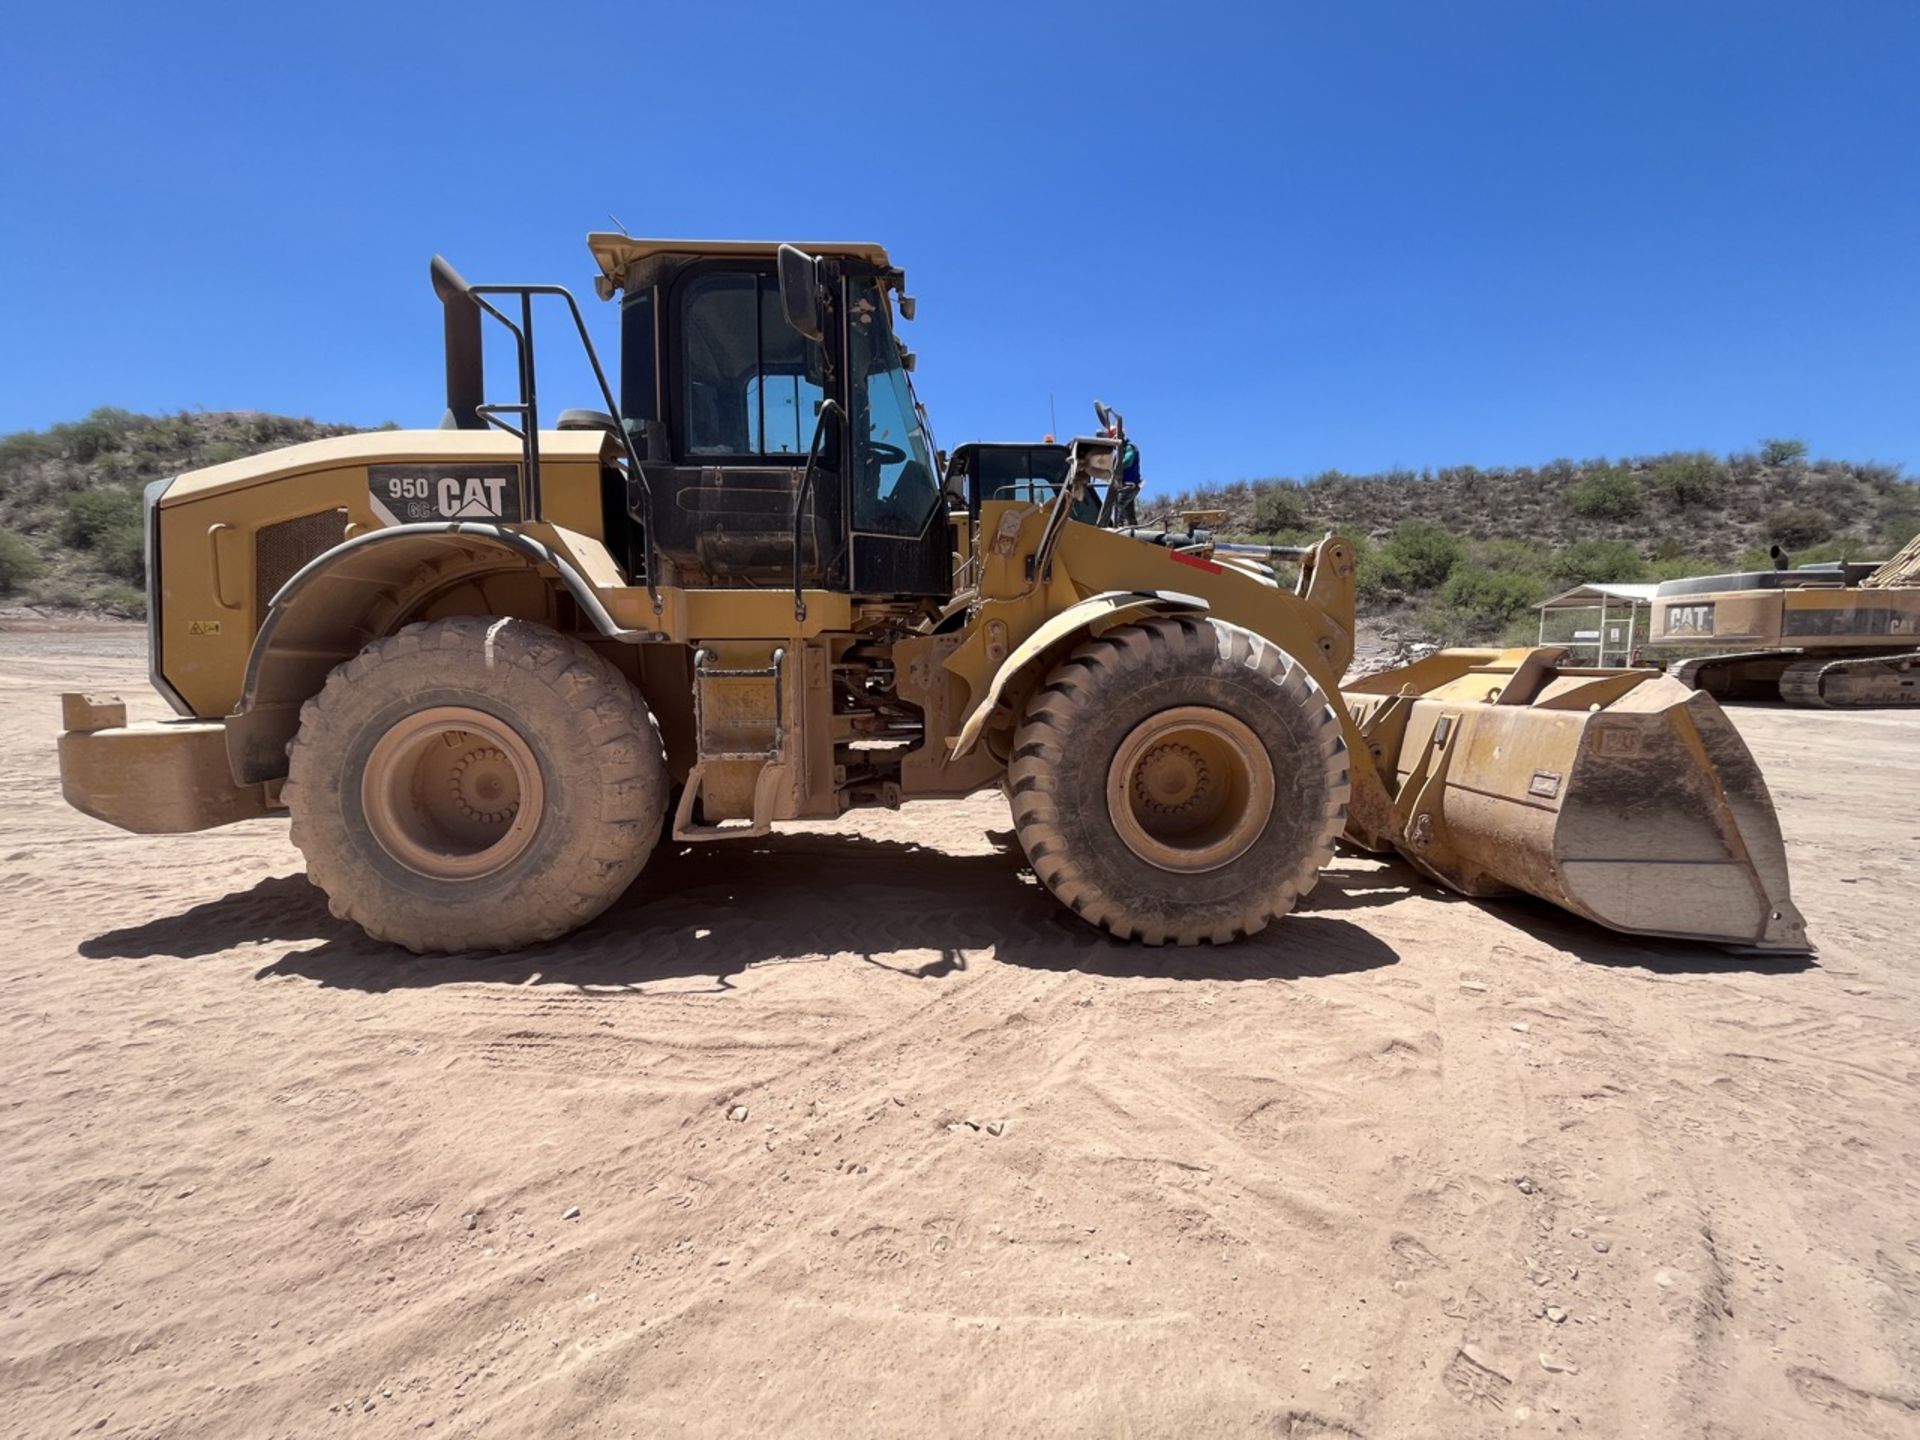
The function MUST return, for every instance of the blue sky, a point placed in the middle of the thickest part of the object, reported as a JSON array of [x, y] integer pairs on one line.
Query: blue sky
[[1280, 237]]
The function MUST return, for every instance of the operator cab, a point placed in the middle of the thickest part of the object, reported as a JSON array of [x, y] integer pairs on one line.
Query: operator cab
[[1015, 470], [738, 414]]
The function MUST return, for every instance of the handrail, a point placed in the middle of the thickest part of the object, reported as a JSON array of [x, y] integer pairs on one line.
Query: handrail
[[448, 283], [828, 409]]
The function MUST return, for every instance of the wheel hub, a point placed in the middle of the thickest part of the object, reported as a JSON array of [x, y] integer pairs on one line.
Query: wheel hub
[[1171, 779], [484, 787], [1190, 789], [452, 793]]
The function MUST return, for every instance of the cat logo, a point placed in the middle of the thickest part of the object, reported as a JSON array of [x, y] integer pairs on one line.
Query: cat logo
[[417, 494], [203, 627], [1690, 619], [1614, 740]]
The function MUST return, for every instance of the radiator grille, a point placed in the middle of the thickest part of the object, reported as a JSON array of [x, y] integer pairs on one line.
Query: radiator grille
[[280, 550]]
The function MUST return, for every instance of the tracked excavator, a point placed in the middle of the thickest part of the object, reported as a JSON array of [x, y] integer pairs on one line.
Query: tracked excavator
[[485, 669], [1842, 635]]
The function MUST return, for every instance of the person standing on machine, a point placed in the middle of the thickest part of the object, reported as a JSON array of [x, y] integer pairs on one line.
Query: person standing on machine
[[1121, 497]]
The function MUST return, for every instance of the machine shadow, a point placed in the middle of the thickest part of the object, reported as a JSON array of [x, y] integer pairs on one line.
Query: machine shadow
[[709, 913], [284, 908], [1387, 879], [1659, 955]]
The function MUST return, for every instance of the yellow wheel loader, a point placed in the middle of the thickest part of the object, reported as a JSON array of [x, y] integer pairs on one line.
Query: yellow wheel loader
[[486, 668]]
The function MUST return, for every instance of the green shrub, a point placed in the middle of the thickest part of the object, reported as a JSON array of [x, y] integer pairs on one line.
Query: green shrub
[[23, 447], [120, 551], [1279, 508], [58, 593], [1900, 515], [1299, 535], [1827, 553], [175, 435], [1607, 495], [1682, 567], [1492, 599], [1519, 555], [103, 430], [1796, 526], [19, 561], [265, 431], [1880, 477], [1597, 562], [1783, 452], [1369, 585], [223, 452], [1523, 631], [1444, 624], [1690, 482], [1477, 605], [92, 513], [1419, 556], [118, 468], [123, 600]]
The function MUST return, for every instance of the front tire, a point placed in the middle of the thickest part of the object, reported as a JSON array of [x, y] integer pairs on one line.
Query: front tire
[[1179, 780], [475, 783]]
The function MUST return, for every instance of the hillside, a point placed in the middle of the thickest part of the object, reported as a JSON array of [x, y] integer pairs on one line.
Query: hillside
[[1458, 554], [1722, 506], [1464, 554], [70, 496]]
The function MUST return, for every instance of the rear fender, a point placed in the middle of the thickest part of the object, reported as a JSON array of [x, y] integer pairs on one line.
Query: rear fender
[[346, 598]]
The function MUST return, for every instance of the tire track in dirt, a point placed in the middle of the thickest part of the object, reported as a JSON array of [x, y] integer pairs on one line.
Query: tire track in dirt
[[262, 1175]]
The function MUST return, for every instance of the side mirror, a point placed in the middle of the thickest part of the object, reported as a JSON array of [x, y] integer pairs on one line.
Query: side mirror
[[908, 306], [800, 291]]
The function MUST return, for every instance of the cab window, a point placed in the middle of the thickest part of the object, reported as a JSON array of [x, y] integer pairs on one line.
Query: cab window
[[894, 492], [745, 386], [1017, 472]]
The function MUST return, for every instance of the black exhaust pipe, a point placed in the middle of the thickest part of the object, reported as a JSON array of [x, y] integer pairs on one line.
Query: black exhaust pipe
[[466, 370]]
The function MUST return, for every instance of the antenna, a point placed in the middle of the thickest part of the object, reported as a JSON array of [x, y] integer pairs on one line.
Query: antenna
[[621, 224], [1053, 416]]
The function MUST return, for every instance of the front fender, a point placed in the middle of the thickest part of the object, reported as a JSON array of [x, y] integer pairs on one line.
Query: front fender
[[1093, 616]]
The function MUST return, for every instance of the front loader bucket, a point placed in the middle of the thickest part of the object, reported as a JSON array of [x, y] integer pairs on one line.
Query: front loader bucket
[[1621, 795]]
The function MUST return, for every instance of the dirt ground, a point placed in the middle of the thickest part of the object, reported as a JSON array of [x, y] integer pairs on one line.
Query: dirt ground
[[855, 1132]]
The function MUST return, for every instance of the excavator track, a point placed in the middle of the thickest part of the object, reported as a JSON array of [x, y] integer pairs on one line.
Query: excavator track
[[1857, 682], [1719, 675]]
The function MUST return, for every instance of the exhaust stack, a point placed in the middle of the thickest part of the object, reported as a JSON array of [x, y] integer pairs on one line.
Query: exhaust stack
[[466, 371]]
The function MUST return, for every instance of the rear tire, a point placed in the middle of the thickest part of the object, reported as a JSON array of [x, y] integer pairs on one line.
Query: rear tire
[[475, 783], [1179, 780]]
